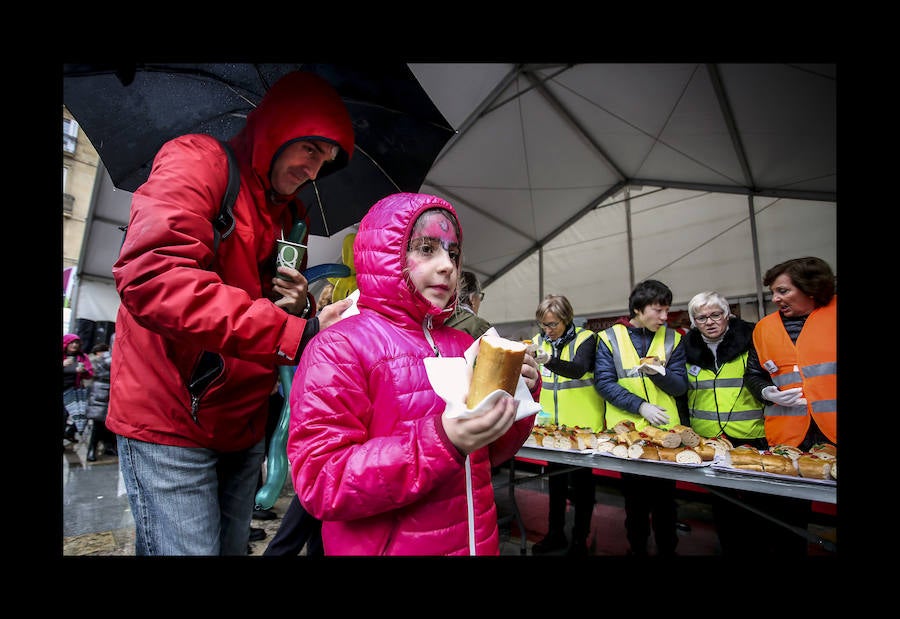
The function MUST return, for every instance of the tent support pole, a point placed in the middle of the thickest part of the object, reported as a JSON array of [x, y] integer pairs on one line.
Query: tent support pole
[[540, 274], [760, 302], [628, 232]]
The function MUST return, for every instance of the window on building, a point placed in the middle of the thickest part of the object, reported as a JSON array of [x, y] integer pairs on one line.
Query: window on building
[[68, 199], [70, 134]]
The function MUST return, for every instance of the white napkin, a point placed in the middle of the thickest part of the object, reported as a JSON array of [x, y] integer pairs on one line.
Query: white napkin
[[450, 378], [659, 368]]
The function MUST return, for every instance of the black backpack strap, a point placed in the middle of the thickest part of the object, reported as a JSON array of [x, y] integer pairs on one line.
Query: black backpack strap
[[223, 224]]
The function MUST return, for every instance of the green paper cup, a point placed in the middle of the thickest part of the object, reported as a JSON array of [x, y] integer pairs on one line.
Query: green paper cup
[[288, 254]]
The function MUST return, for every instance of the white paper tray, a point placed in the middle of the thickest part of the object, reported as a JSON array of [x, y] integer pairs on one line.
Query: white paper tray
[[688, 465], [809, 480], [571, 451]]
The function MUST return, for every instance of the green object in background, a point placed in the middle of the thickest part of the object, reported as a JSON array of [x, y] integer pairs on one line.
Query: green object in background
[[298, 231]]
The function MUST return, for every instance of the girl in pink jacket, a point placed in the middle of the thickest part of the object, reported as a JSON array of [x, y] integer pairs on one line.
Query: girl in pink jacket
[[372, 454]]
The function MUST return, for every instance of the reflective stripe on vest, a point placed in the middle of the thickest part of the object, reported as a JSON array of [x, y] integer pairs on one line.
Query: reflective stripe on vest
[[571, 401], [718, 402], [626, 360], [810, 363]]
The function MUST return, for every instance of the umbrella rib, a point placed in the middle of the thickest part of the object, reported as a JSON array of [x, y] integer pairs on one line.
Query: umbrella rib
[[319, 197], [380, 169], [321, 208]]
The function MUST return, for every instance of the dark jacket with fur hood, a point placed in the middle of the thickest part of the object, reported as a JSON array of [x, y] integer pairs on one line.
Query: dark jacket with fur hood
[[735, 342]]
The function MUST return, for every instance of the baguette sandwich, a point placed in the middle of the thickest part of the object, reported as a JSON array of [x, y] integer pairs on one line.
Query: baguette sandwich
[[661, 438], [745, 458], [777, 464], [814, 467], [497, 366]]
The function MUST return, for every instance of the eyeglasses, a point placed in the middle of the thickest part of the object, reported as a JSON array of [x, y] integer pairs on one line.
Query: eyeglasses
[[550, 325], [715, 317]]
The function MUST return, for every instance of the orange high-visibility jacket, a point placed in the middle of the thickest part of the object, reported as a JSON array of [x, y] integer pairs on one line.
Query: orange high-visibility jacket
[[811, 363]]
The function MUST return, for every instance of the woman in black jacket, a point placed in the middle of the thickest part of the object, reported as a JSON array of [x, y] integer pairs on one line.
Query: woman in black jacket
[[98, 404]]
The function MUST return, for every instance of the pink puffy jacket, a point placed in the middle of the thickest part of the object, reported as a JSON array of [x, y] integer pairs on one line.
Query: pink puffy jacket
[[369, 455]]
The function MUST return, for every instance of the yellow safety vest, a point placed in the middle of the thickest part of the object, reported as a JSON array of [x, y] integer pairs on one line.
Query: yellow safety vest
[[719, 401], [570, 401], [626, 359]]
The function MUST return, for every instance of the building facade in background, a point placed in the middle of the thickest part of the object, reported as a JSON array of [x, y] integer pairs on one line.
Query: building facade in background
[[80, 165]]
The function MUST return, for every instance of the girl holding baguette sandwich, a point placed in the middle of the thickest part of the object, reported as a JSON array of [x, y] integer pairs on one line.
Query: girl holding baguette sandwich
[[372, 454]]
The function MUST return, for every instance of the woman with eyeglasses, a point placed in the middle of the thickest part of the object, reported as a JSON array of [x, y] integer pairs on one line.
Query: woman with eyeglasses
[[566, 354], [719, 404], [792, 369]]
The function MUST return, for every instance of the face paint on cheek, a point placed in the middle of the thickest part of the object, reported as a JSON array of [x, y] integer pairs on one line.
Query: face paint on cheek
[[412, 264]]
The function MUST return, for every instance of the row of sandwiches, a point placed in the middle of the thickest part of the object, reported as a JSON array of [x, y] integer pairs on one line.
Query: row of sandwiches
[[683, 445]]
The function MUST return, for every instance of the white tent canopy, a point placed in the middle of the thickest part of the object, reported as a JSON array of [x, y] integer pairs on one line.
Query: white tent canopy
[[584, 179]]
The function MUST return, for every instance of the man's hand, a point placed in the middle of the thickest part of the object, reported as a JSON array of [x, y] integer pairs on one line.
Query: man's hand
[[471, 433], [331, 313], [293, 291]]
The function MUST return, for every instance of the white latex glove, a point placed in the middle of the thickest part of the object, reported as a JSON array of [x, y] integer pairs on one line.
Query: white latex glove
[[654, 414], [647, 370], [788, 397], [541, 356]]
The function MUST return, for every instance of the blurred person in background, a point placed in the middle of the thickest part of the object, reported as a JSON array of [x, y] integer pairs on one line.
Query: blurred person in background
[[98, 404], [77, 369], [465, 317]]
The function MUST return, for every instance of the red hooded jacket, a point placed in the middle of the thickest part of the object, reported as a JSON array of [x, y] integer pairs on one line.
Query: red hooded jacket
[[197, 338]]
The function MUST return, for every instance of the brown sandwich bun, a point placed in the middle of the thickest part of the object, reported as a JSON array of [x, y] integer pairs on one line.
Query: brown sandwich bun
[[814, 467], [707, 452], [498, 365], [745, 458], [669, 454], [780, 465], [654, 360]]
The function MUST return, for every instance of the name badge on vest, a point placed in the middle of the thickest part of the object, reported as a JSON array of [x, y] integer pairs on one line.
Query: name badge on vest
[[770, 366], [694, 370]]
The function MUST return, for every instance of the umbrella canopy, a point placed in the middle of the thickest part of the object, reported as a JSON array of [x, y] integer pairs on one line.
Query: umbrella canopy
[[129, 111]]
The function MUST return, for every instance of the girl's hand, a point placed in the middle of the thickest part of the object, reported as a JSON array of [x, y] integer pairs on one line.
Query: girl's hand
[[471, 433]]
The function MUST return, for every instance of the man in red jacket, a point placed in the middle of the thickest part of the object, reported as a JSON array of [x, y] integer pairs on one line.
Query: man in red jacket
[[201, 330]]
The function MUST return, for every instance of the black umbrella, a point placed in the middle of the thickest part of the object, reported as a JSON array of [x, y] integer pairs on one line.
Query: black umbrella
[[129, 111]]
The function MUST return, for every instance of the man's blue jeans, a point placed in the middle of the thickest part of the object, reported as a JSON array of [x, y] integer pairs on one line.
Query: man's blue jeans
[[188, 500]]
